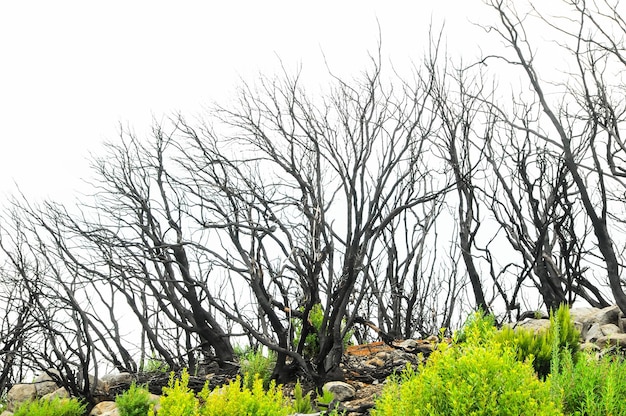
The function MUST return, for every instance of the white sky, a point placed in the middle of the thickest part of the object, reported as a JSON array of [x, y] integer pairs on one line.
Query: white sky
[[72, 71]]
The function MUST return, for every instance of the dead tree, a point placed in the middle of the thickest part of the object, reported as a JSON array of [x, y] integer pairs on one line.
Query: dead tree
[[579, 124], [304, 191]]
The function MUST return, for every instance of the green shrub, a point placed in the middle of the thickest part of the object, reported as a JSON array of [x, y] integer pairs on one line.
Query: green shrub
[[538, 346], [54, 407], [325, 399], [133, 402], [254, 362], [528, 344], [477, 377], [154, 364], [590, 386], [177, 399], [301, 403], [312, 342], [236, 399], [478, 326]]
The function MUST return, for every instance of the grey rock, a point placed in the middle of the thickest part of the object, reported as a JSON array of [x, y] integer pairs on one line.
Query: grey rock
[[589, 347], [582, 315], [612, 340], [60, 393], [107, 408], [119, 378], [608, 315], [44, 382], [20, 393], [622, 324], [535, 325], [342, 391], [300, 414], [592, 333], [609, 329], [408, 345]]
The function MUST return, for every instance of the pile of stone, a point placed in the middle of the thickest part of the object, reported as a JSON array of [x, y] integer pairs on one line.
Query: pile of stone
[[599, 328], [44, 387], [366, 367]]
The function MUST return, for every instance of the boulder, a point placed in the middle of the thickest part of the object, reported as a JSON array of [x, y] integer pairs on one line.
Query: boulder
[[20, 393], [608, 315], [375, 362], [589, 316], [342, 391], [408, 345], [589, 347], [609, 329], [60, 393], [535, 325], [156, 399], [115, 379], [612, 340], [582, 315], [107, 408], [592, 333], [44, 382], [300, 414]]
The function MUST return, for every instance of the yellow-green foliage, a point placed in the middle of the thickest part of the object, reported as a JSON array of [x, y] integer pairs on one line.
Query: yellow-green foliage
[[54, 407], [529, 345], [538, 346], [233, 399], [312, 342], [177, 398], [590, 386], [477, 327], [154, 364], [302, 403], [323, 400], [254, 362], [477, 377], [134, 402]]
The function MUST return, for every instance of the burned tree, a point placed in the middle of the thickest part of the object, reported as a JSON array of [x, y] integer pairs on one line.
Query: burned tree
[[305, 192], [580, 123]]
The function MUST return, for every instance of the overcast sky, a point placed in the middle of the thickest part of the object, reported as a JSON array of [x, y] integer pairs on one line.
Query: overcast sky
[[71, 72]]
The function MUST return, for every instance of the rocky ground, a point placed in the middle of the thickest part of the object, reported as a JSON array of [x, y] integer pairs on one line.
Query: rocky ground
[[365, 367]]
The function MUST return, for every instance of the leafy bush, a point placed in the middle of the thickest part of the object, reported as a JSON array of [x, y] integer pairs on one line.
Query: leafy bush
[[54, 407], [254, 362], [312, 342], [538, 346], [528, 344], [592, 387], [478, 326], [236, 399], [155, 364], [231, 399], [301, 404], [177, 399], [134, 402], [479, 377]]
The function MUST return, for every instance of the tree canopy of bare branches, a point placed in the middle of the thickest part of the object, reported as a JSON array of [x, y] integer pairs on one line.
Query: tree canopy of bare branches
[[398, 201]]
